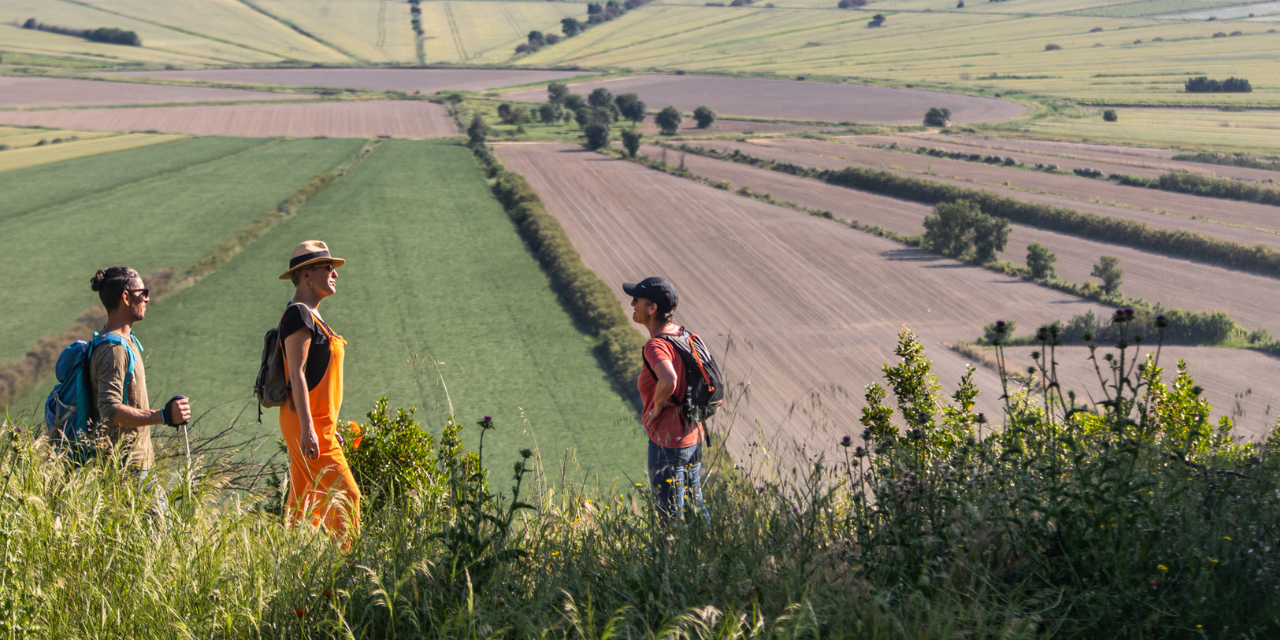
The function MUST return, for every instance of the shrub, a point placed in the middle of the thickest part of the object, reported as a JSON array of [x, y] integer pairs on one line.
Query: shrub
[[937, 117], [557, 91], [573, 102], [960, 4], [550, 113], [1203, 84], [1220, 34], [956, 228], [704, 116], [1040, 261], [631, 107], [1109, 115], [597, 135], [108, 35], [849, 4], [601, 97], [478, 131], [1109, 272], [1052, 47], [552, 39], [570, 27], [389, 456], [1096, 30], [877, 20], [631, 141], [1087, 173], [1227, 188], [669, 120]]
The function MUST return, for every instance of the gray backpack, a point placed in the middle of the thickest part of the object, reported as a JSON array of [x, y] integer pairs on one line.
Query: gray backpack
[[272, 386]]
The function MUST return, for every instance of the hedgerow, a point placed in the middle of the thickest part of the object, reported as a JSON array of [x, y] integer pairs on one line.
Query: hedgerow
[[1186, 182]]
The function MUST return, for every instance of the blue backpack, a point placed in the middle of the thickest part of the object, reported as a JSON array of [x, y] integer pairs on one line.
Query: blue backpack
[[68, 408]]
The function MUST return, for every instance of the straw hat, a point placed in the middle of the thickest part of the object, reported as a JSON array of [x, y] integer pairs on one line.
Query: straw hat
[[309, 253]]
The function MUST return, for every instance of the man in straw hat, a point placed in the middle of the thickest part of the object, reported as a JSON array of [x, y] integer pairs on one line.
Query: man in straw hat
[[320, 481]]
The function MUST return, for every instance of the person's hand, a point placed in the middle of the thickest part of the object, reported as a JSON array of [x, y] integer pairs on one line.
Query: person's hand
[[653, 413], [309, 444], [177, 411]]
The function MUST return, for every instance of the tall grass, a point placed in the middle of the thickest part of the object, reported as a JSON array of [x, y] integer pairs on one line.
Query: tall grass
[[1134, 517]]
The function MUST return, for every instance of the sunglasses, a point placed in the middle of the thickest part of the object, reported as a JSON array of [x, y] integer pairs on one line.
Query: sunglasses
[[144, 293]]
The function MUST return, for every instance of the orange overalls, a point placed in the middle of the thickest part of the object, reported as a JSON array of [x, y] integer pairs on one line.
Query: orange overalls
[[325, 486]]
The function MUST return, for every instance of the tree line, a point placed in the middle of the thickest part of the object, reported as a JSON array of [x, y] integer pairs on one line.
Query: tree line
[[108, 35], [1203, 84]]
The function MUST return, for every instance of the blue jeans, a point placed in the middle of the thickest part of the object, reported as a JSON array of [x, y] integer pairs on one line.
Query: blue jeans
[[671, 473], [152, 487]]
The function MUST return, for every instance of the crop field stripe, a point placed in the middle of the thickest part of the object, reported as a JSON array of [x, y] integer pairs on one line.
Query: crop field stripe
[[301, 31], [171, 221], [36, 156], [32, 190], [435, 273], [176, 28], [453, 28]]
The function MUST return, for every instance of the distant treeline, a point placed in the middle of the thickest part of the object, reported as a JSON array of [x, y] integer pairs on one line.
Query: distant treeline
[[1206, 85], [599, 14], [588, 298], [1231, 160], [109, 35], [1172, 242]]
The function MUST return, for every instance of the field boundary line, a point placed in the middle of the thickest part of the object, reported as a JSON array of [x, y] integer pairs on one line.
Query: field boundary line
[[142, 180], [21, 376], [453, 29], [174, 28], [304, 32]]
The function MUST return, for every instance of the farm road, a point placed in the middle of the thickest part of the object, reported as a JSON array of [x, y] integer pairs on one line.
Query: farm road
[[1236, 382], [792, 100], [812, 310], [1183, 284], [1136, 156], [839, 156], [1135, 165], [398, 119], [407, 80], [56, 92]]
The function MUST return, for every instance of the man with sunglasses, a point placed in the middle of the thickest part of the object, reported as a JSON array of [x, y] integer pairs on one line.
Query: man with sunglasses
[[116, 376]]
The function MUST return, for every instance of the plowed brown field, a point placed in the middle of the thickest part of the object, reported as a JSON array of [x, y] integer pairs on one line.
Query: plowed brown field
[[1249, 298], [404, 119], [1130, 156], [1236, 382], [830, 155], [407, 80], [791, 100], [811, 310], [55, 92]]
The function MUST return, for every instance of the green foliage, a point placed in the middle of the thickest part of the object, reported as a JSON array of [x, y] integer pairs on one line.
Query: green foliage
[[391, 458], [1109, 272], [573, 102], [1231, 159], [631, 107], [550, 112], [597, 136], [600, 98], [570, 27], [108, 35], [1109, 115], [477, 131], [957, 228], [1040, 261], [631, 141], [669, 120], [557, 91], [704, 116], [1194, 183], [937, 117]]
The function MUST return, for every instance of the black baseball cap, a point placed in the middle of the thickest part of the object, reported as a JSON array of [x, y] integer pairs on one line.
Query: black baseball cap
[[657, 290]]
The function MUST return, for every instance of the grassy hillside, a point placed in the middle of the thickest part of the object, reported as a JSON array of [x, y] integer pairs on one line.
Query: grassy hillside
[[435, 271], [170, 220]]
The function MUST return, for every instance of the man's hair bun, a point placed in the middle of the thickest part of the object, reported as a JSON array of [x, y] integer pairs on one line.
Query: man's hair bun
[[95, 283], [110, 283]]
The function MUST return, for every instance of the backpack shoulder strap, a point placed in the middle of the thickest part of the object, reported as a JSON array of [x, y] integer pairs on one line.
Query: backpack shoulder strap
[[116, 339]]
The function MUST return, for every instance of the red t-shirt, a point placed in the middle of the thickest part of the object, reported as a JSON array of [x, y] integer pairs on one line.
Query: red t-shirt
[[668, 430]]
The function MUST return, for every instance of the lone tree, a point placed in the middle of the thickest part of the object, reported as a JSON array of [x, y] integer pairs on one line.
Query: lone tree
[[1109, 272], [631, 107], [877, 21], [631, 141], [597, 135], [601, 97], [669, 120], [550, 112], [1040, 261], [705, 116], [937, 117], [570, 27], [849, 4], [556, 92], [960, 226], [478, 131]]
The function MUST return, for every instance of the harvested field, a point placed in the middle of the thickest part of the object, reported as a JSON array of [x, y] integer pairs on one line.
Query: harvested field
[[790, 100], [834, 158], [1235, 381], [690, 127], [398, 119], [56, 92], [35, 156], [840, 296], [1249, 298], [407, 80], [1129, 159]]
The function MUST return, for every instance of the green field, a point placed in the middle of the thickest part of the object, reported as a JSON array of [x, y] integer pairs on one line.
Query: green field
[[33, 154], [435, 270], [171, 219]]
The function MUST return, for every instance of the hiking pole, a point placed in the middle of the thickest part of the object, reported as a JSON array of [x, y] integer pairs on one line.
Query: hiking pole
[[186, 442]]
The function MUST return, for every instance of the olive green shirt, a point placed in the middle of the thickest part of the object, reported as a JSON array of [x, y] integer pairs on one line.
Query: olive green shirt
[[108, 367]]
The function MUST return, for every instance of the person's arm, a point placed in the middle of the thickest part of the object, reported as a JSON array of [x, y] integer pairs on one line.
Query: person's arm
[[666, 372], [110, 366], [296, 347]]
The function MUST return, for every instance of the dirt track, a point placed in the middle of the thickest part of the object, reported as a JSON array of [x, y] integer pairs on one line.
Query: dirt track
[[407, 80], [1249, 298], [835, 156], [334, 119], [813, 309], [819, 101], [54, 92]]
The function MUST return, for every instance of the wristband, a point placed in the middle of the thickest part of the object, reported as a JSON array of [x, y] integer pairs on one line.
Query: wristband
[[164, 414]]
